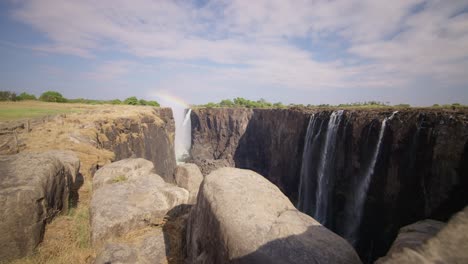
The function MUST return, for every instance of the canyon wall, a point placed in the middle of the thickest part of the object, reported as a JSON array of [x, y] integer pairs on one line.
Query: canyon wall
[[418, 170], [266, 141], [149, 136]]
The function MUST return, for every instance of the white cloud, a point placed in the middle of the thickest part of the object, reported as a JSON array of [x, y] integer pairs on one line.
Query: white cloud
[[391, 45]]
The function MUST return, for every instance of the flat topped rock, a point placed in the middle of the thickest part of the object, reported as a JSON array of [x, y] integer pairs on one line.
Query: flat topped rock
[[241, 217], [127, 197], [34, 188]]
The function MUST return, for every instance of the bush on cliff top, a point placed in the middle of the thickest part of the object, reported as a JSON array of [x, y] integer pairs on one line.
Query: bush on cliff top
[[52, 96]]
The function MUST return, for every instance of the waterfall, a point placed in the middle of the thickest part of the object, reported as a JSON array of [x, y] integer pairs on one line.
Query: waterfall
[[357, 206], [324, 183], [183, 133], [304, 186]]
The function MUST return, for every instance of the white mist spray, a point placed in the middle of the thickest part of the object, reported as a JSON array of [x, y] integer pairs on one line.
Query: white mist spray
[[183, 127]]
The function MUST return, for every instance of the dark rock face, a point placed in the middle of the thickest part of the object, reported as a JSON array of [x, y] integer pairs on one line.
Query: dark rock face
[[420, 171], [240, 217], [34, 188], [150, 137], [446, 245], [215, 136], [266, 141]]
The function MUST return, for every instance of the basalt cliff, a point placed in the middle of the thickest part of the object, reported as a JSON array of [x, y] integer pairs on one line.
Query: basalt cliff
[[362, 173]]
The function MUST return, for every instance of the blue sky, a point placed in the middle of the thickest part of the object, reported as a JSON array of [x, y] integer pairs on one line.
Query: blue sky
[[402, 51]]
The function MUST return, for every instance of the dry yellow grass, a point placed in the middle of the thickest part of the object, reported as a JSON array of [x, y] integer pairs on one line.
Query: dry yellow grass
[[66, 239]]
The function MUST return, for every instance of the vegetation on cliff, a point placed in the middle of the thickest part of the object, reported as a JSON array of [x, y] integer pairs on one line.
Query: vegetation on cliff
[[56, 97], [262, 103]]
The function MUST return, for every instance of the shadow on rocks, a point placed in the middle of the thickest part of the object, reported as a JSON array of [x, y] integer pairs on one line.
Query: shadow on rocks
[[174, 231], [74, 195]]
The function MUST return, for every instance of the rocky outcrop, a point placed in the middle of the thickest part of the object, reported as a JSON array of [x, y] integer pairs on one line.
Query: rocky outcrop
[[189, 177], [240, 217], [34, 188], [449, 245], [420, 171], [127, 196], [149, 136]]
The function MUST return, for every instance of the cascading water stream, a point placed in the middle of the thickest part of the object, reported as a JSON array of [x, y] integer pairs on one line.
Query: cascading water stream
[[183, 135], [327, 158], [304, 188], [357, 206]]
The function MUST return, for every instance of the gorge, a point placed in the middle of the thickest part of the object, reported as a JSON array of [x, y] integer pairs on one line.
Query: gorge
[[361, 173]]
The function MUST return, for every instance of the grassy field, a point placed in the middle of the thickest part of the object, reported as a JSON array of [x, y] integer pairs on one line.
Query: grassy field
[[32, 109]]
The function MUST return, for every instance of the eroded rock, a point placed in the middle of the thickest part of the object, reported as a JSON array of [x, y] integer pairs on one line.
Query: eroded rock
[[241, 217], [189, 177], [128, 196], [34, 188]]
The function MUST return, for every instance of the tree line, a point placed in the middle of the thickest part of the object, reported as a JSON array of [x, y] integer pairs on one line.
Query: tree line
[[53, 96], [262, 103]]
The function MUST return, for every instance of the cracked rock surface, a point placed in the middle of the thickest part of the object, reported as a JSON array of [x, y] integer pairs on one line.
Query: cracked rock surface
[[34, 188], [127, 196]]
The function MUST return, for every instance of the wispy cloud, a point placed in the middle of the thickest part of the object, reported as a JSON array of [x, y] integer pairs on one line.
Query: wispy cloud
[[391, 43], [109, 70]]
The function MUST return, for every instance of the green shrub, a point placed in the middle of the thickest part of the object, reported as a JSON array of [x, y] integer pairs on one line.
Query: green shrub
[[278, 105], [52, 96], [226, 103], [152, 103], [131, 101], [115, 102], [26, 96]]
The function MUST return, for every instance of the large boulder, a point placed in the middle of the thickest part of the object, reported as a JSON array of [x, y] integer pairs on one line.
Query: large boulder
[[241, 217], [189, 177], [448, 245], [128, 196], [34, 188], [149, 247]]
